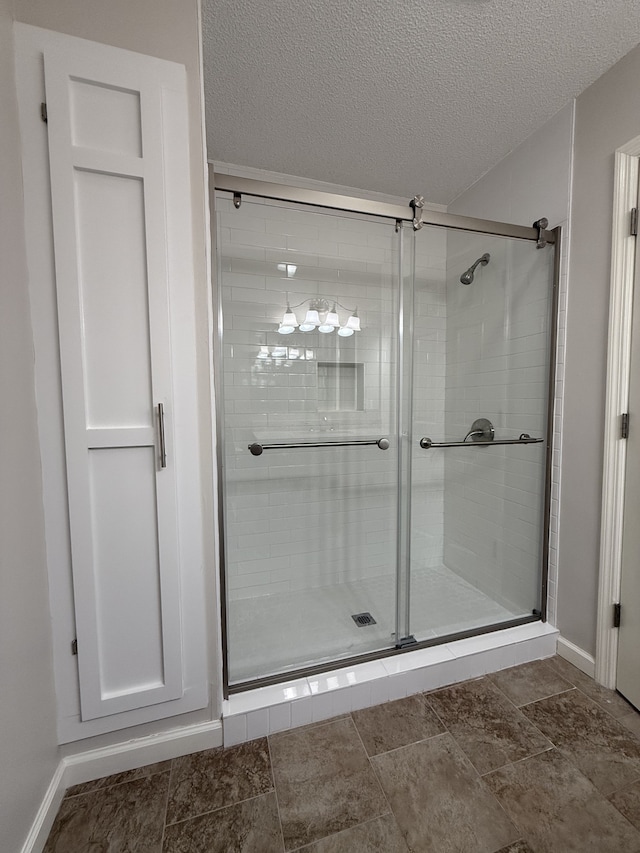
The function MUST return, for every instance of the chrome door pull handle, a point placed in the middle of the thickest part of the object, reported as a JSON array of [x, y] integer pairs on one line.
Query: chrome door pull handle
[[161, 438], [256, 449], [525, 438]]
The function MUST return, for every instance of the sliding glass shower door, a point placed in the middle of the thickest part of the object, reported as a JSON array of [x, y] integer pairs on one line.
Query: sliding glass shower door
[[383, 420], [482, 336], [309, 336]]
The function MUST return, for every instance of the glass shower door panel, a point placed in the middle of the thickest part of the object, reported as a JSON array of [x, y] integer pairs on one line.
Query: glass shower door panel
[[481, 354], [311, 509]]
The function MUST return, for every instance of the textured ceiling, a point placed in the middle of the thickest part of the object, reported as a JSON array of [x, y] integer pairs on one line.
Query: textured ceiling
[[400, 96]]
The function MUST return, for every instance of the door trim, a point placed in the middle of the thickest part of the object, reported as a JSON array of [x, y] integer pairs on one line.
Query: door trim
[[623, 247]]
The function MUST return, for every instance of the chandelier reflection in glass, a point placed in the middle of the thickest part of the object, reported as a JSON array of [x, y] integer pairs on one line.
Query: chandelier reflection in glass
[[319, 316]]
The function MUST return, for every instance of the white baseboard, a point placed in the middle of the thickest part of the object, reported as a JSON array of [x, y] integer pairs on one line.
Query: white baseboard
[[41, 826], [95, 763], [117, 758], [577, 656]]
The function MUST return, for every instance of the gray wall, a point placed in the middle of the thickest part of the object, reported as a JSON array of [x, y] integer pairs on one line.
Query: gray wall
[[28, 751], [27, 708], [607, 116]]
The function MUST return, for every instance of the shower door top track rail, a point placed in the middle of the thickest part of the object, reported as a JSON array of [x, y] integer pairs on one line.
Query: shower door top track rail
[[352, 204]]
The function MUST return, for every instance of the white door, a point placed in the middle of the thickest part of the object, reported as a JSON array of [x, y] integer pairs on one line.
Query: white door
[[108, 125], [628, 671]]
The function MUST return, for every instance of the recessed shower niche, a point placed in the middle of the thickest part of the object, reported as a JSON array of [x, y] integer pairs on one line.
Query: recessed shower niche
[[340, 386], [355, 356]]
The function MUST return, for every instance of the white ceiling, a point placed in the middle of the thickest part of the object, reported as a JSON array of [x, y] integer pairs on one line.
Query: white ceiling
[[398, 96]]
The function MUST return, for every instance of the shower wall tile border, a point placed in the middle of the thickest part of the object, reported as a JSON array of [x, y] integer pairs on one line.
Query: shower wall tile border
[[267, 710]]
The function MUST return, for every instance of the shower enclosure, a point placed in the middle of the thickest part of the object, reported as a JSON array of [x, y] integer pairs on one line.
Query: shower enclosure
[[383, 390]]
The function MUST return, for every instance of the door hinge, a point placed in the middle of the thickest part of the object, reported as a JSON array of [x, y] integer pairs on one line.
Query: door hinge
[[624, 425], [634, 222], [74, 647], [616, 615], [43, 112]]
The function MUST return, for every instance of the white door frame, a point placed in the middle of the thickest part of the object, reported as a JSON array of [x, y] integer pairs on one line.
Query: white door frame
[[623, 248]]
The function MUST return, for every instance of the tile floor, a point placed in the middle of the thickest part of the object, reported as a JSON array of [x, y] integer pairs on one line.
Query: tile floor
[[534, 759]]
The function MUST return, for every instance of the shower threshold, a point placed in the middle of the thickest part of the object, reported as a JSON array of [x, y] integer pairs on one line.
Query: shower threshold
[[320, 696]]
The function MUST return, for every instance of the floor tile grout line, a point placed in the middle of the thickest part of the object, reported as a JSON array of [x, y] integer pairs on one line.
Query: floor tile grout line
[[607, 797], [407, 745], [515, 708], [623, 788], [600, 705], [166, 807], [220, 808], [584, 692], [491, 675], [341, 832], [114, 785], [562, 752], [524, 758], [624, 816], [434, 711], [275, 792], [569, 758], [373, 770], [473, 767], [590, 700], [307, 727], [531, 723], [421, 696], [340, 718], [541, 698]]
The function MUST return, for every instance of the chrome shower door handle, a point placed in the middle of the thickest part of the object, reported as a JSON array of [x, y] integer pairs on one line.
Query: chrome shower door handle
[[161, 438], [256, 449], [426, 443]]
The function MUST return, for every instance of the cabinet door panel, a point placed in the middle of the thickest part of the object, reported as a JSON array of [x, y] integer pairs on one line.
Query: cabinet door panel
[[109, 170]]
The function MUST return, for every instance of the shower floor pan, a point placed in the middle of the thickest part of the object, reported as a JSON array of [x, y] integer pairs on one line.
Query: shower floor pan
[[285, 632]]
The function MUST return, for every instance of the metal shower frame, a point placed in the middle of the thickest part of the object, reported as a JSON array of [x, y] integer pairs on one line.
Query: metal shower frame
[[414, 213]]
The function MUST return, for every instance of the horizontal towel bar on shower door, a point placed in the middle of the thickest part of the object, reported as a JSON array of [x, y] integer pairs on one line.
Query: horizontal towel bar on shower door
[[426, 443], [257, 449]]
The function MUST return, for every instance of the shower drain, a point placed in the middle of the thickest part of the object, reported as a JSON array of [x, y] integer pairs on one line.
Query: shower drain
[[362, 619]]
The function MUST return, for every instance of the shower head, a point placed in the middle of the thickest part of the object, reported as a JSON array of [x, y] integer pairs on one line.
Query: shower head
[[467, 277]]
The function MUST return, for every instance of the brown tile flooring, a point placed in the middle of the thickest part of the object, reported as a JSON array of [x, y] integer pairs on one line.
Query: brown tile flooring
[[534, 759]]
